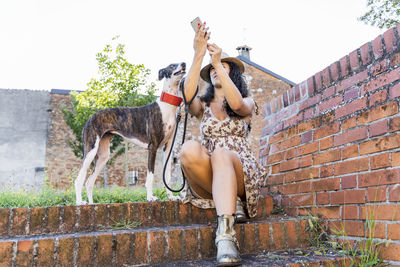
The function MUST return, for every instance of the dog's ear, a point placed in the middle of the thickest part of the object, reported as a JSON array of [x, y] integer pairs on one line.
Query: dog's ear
[[161, 74]]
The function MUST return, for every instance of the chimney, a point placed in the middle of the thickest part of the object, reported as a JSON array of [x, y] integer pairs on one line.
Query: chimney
[[244, 51]]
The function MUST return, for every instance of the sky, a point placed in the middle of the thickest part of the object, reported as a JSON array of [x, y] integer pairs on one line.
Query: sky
[[52, 44]]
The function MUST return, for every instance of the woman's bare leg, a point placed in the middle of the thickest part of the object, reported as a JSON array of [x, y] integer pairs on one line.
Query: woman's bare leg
[[219, 176]]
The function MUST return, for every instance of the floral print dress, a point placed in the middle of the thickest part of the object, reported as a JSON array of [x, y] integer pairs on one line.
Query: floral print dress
[[231, 134]]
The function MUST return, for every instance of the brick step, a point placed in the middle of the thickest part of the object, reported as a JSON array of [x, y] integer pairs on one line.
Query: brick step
[[149, 245], [286, 258], [71, 219]]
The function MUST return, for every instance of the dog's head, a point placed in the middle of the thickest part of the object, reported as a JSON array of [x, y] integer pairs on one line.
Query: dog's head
[[174, 72]]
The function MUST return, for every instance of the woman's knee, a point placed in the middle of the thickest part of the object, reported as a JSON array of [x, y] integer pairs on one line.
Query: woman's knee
[[221, 155], [190, 152]]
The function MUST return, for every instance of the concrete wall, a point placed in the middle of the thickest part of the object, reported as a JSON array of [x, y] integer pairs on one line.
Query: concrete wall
[[23, 134]]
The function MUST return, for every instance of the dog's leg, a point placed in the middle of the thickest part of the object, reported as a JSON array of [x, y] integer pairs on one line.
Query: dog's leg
[[82, 173], [103, 154], [168, 169], [150, 172]]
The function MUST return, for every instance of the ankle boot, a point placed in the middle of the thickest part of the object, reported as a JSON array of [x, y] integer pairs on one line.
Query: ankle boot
[[227, 250], [240, 216]]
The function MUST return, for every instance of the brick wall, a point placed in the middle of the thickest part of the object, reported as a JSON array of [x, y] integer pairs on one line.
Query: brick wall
[[63, 166], [332, 143]]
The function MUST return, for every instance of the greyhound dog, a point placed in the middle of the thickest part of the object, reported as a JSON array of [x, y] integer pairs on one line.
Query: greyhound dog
[[150, 126]]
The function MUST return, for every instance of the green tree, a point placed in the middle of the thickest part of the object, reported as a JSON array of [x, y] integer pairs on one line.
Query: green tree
[[382, 13], [120, 84]]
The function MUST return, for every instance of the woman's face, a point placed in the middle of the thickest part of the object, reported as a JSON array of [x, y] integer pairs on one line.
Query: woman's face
[[214, 76]]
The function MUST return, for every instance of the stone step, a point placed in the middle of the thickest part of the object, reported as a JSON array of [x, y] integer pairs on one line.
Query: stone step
[[287, 258], [85, 218], [151, 245]]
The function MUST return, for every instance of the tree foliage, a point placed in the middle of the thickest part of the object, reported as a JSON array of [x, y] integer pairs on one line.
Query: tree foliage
[[382, 13], [120, 84]]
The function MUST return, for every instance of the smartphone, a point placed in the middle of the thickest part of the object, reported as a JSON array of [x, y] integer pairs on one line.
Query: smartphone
[[195, 23]]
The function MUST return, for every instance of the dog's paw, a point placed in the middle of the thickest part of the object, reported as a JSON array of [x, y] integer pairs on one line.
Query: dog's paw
[[151, 198]]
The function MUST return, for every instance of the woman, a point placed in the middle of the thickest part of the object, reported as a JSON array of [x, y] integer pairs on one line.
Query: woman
[[221, 170]]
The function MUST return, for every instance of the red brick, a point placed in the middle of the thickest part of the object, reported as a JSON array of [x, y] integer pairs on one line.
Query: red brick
[[380, 81], [389, 212], [394, 124], [4, 221], [53, 219], [249, 238], [376, 194], [352, 80], [354, 63], [352, 228], [379, 112], [394, 193], [36, 220], [307, 149], [349, 123], [318, 81], [378, 128], [380, 144], [326, 185], [19, 221], [351, 93], [377, 98], [157, 246], [183, 213], [25, 253], [390, 40], [379, 67], [326, 171], [326, 130], [351, 107], [264, 235], [378, 231], [86, 251], [348, 197], [140, 250], [155, 214], [278, 236], [123, 248], [294, 141], [65, 256], [175, 244], [349, 181], [350, 136], [326, 143], [69, 218], [391, 252], [394, 231], [395, 159], [85, 217], [332, 212], [207, 246], [334, 67], [350, 151], [289, 165], [301, 175], [344, 66], [328, 156], [295, 188], [277, 157], [323, 198], [104, 250], [306, 161], [6, 248], [350, 212], [377, 47], [45, 252], [190, 244], [290, 229], [380, 161], [310, 102], [365, 55], [326, 77], [303, 200], [394, 91], [382, 177]]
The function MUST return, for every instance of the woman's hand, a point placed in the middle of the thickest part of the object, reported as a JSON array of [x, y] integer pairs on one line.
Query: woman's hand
[[215, 54], [200, 39]]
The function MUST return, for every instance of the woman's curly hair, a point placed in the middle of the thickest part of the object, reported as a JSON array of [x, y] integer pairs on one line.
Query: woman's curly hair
[[236, 76]]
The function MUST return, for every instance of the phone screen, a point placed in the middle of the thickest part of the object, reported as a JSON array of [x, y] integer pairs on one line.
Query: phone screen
[[195, 22]]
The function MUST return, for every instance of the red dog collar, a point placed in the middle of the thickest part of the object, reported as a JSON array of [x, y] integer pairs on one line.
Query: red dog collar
[[171, 99]]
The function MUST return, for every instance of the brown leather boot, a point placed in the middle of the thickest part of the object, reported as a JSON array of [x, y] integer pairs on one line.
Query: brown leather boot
[[227, 249]]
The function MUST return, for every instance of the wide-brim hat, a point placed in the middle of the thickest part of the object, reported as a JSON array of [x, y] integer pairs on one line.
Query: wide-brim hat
[[205, 71]]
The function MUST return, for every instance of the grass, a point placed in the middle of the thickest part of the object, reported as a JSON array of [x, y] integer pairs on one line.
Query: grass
[[52, 197]]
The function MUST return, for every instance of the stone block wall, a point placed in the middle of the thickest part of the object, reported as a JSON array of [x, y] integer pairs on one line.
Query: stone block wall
[[332, 143]]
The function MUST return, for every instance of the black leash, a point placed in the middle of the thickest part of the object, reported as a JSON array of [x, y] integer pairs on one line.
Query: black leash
[[178, 118]]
